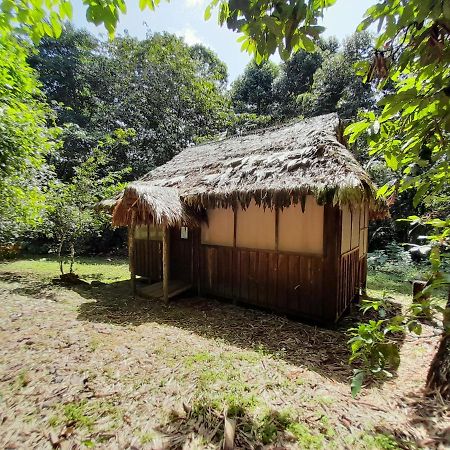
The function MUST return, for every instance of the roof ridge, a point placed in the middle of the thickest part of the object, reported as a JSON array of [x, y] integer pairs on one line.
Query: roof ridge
[[273, 127]]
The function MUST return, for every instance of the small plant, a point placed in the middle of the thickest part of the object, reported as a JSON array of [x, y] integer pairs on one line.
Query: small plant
[[374, 344], [305, 438], [373, 347], [23, 379], [78, 413]]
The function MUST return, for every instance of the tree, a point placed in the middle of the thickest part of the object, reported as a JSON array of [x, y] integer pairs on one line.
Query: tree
[[209, 65], [411, 130], [295, 79], [24, 141], [70, 214], [335, 85], [169, 93], [252, 91], [60, 64]]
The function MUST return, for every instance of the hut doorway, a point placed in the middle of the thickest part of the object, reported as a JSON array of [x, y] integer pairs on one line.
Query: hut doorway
[[181, 251], [148, 253], [173, 269]]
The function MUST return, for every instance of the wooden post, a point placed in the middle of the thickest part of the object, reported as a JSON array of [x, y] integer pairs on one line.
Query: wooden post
[[131, 251], [166, 264], [277, 222]]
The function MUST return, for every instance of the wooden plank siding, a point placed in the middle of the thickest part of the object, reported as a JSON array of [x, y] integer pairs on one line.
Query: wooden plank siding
[[147, 256], [181, 256], [349, 281], [283, 282]]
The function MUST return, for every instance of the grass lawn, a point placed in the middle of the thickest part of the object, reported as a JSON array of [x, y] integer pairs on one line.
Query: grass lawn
[[89, 366], [103, 269]]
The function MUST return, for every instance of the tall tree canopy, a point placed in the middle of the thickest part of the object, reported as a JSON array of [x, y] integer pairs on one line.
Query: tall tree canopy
[[252, 92], [296, 77], [335, 85], [170, 94]]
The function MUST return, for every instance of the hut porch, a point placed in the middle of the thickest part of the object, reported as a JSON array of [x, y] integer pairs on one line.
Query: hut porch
[[155, 291]]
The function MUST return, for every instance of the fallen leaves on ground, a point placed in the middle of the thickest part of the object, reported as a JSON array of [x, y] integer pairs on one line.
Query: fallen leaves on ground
[[85, 367]]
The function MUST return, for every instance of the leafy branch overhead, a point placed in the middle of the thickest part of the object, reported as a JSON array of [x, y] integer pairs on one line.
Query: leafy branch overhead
[[266, 26]]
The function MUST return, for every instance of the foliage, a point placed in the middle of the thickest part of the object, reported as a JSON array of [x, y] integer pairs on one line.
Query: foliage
[[245, 122], [374, 344], [169, 93], [412, 128], [335, 86], [252, 91], [209, 64], [70, 215], [287, 27], [296, 78], [24, 141], [308, 84], [266, 28]]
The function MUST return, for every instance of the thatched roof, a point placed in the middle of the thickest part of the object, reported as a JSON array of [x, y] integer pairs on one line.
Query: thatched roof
[[152, 204], [275, 167]]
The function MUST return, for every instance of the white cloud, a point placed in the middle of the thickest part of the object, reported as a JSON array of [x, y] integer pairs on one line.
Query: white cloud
[[193, 3], [190, 36]]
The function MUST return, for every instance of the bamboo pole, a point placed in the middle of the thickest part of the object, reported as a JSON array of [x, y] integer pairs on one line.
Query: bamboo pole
[[131, 251], [166, 264]]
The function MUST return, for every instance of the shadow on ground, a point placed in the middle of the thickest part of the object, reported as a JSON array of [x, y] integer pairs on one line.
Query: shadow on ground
[[322, 350], [426, 425], [28, 286]]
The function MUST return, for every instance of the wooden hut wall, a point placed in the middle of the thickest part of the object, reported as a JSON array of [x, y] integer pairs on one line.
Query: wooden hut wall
[[147, 253], [301, 231], [318, 283], [364, 246], [293, 282], [353, 260]]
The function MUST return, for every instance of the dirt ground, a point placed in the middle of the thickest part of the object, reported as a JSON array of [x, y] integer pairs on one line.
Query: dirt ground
[[90, 366]]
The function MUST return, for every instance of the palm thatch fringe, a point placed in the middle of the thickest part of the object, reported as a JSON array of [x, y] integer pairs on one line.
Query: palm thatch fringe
[[153, 205]]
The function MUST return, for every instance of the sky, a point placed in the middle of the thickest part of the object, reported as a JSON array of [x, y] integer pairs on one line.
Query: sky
[[185, 19]]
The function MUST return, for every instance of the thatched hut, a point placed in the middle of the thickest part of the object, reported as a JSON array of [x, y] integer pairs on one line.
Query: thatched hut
[[277, 219]]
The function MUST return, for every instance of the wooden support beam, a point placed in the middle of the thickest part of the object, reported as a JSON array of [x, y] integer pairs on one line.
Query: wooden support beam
[[166, 263], [131, 251], [277, 222]]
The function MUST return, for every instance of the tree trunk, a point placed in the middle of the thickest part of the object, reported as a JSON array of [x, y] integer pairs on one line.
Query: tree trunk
[[72, 257], [60, 246], [438, 379]]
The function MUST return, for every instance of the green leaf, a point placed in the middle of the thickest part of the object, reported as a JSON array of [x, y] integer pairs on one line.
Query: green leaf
[[391, 161], [357, 382], [383, 190], [420, 194], [306, 43], [66, 10], [207, 14]]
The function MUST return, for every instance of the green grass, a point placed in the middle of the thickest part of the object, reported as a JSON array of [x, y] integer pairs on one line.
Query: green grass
[[86, 413], [91, 268], [396, 281]]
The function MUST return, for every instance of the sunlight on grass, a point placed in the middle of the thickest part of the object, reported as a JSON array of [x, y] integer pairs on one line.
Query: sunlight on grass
[[106, 270]]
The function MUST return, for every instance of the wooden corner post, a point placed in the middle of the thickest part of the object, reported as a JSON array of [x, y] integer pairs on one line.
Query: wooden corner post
[[131, 252], [166, 264]]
